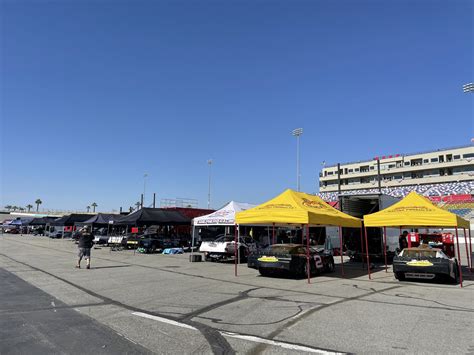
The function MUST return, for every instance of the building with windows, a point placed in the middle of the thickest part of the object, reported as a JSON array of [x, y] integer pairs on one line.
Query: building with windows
[[450, 165]]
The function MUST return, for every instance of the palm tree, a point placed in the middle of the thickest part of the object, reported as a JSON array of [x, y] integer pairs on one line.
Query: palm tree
[[8, 207], [14, 208], [94, 205], [29, 207], [38, 203], [138, 204], [88, 208], [21, 209]]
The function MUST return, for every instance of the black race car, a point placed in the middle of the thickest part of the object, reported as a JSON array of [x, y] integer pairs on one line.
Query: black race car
[[150, 244], [290, 258], [425, 263]]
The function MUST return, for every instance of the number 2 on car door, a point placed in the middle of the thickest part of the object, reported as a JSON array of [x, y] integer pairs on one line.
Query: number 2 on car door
[[318, 261]]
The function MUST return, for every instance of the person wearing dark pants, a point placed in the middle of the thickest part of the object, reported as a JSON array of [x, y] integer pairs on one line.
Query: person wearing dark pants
[[85, 244]]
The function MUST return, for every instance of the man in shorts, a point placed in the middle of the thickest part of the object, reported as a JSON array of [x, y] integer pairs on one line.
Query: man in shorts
[[85, 245]]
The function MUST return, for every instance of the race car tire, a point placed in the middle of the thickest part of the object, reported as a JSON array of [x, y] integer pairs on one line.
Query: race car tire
[[400, 276], [264, 272], [330, 267], [304, 269], [207, 258], [455, 279], [242, 256]]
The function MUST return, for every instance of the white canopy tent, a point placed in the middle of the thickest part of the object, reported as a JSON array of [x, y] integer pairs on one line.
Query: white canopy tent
[[222, 217]]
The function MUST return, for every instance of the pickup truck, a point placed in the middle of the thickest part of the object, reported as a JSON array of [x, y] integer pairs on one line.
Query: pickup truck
[[223, 248]]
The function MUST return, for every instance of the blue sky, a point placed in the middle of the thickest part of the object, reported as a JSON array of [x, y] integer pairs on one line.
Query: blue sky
[[95, 93]]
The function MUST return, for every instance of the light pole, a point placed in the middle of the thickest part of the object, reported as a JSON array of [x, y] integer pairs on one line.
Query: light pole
[[467, 88], [297, 133], [144, 187], [209, 162]]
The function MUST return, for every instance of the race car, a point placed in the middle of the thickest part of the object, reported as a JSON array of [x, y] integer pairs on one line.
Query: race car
[[290, 259], [223, 248], [425, 263]]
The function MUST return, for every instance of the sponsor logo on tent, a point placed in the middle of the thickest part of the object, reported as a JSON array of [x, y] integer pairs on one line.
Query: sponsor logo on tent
[[277, 206], [410, 209], [314, 204]]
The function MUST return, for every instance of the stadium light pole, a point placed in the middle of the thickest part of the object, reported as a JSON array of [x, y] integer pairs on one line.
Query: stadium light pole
[[144, 187], [468, 88], [297, 133], [209, 162]]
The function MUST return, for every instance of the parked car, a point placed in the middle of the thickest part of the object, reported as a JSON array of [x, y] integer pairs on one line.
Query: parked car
[[223, 247], [425, 263], [150, 244], [290, 259]]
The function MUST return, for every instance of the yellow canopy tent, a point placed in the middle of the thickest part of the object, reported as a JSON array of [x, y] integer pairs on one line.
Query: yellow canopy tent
[[414, 211], [297, 208], [418, 211]]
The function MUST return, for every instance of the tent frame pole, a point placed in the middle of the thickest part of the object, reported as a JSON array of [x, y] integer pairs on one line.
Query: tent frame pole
[[470, 247], [367, 252], [273, 233], [308, 269], [235, 250], [192, 242], [459, 257], [341, 242], [362, 245], [469, 266], [385, 247]]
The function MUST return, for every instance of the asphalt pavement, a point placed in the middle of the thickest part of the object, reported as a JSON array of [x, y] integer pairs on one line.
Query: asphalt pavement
[[164, 304]]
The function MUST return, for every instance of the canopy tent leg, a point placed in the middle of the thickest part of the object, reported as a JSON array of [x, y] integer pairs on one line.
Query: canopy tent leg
[[192, 242], [238, 245], [235, 250], [385, 247], [367, 252], [341, 250], [459, 258], [308, 269], [470, 247], [362, 246], [273, 233], [469, 266]]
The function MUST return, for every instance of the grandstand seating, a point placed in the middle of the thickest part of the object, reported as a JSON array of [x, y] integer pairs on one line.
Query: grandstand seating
[[456, 197]]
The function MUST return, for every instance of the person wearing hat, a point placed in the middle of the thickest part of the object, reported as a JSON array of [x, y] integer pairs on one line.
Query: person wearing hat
[[85, 244]]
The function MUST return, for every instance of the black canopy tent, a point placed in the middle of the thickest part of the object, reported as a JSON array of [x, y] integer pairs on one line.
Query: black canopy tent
[[70, 219], [103, 218], [153, 216], [42, 221]]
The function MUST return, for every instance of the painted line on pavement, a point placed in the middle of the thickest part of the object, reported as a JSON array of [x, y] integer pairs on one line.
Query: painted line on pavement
[[251, 338], [163, 320]]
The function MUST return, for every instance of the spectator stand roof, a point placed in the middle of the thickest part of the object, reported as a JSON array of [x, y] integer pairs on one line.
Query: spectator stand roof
[[223, 217], [157, 216]]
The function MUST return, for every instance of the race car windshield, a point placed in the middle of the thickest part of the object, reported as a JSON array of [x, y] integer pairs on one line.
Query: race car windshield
[[282, 250], [419, 253]]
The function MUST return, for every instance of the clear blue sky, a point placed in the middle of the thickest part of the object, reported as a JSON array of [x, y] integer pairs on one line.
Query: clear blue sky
[[95, 93]]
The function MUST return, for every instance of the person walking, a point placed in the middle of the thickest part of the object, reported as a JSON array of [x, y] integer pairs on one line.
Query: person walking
[[84, 246]]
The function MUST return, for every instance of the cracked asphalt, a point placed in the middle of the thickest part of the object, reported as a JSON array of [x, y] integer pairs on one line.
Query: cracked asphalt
[[203, 308]]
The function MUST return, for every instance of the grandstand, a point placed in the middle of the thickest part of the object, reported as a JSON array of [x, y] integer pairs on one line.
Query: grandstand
[[446, 176], [456, 197]]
